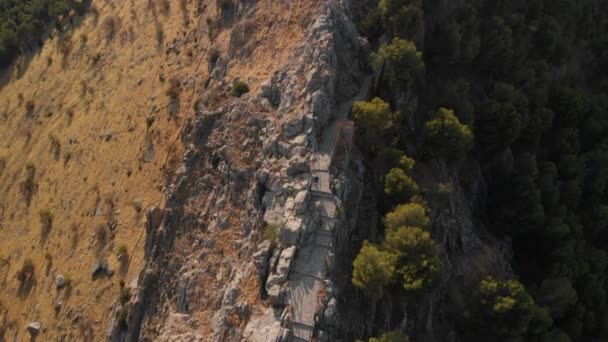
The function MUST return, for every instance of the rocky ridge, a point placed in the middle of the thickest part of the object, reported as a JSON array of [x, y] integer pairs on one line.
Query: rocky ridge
[[261, 162]]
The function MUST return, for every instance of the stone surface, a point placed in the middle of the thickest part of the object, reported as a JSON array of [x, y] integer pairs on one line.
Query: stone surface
[[283, 267], [60, 281], [290, 232], [34, 328]]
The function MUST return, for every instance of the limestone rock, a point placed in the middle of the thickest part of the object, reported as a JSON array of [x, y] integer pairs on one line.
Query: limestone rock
[[301, 202], [297, 165], [60, 281], [281, 273], [290, 232], [34, 328]]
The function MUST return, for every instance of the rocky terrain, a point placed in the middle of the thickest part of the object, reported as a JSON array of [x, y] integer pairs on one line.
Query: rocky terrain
[[181, 211]]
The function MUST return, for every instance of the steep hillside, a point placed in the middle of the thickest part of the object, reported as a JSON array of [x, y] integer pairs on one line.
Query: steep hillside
[[90, 131]]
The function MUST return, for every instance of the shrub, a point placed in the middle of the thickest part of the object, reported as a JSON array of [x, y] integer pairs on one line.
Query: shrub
[[123, 251], [46, 221], [196, 104], [165, 7], [29, 185], [149, 121], [55, 146], [122, 319], [26, 272], [214, 54], [410, 214], [124, 295], [239, 89], [110, 27], [271, 232], [101, 234], [160, 33], [174, 88], [30, 106], [225, 4]]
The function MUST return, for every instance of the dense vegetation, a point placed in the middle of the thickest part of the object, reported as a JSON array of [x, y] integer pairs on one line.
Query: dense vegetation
[[520, 87], [22, 23]]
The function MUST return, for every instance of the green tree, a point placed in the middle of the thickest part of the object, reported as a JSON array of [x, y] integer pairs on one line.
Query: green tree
[[418, 265], [373, 268], [446, 136], [557, 294], [393, 336], [404, 58], [399, 186], [374, 118], [410, 214], [504, 308]]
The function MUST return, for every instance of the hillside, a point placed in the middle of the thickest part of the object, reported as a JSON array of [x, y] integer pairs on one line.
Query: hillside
[[89, 116], [325, 170]]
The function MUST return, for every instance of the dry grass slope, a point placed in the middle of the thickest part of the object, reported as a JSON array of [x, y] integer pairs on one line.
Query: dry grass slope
[[89, 131]]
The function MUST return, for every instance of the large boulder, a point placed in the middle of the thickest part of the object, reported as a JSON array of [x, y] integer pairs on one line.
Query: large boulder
[[283, 267]]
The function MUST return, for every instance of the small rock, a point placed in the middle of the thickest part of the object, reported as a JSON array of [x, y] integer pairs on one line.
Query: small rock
[[34, 328], [60, 281], [101, 268], [58, 306], [108, 136]]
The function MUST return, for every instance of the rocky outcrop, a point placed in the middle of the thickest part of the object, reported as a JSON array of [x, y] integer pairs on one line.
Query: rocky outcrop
[[262, 162]]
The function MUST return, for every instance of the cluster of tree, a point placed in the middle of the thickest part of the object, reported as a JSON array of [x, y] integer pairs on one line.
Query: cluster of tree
[[408, 256], [530, 78], [23, 21]]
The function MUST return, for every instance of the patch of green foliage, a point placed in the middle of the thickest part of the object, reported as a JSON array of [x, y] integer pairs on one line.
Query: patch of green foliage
[[22, 23]]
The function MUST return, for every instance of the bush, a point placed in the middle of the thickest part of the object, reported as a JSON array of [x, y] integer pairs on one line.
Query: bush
[[124, 295], [410, 214], [214, 54], [150, 121], [239, 89], [174, 88], [46, 222], [26, 272], [123, 316], [271, 232], [110, 27], [196, 104], [446, 136], [123, 251]]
